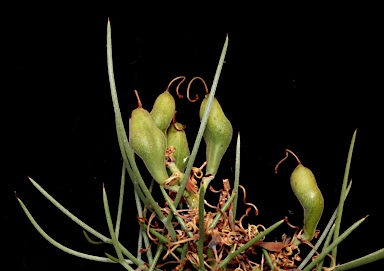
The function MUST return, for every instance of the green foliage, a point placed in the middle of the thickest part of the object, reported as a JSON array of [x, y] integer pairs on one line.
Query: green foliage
[[202, 236]]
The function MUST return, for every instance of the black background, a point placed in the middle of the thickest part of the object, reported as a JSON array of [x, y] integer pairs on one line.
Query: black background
[[303, 83]]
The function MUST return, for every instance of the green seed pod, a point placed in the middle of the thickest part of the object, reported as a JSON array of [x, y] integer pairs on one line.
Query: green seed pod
[[148, 142], [305, 187], [177, 138], [217, 135], [165, 106], [163, 110]]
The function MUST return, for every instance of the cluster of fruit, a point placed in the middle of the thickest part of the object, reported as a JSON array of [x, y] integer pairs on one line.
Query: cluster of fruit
[[160, 141]]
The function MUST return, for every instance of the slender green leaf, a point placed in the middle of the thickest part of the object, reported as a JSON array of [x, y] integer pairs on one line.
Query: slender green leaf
[[324, 234], [326, 244], [237, 176], [375, 256], [157, 256], [129, 168], [223, 210], [342, 195], [120, 205], [142, 233], [57, 244], [92, 241], [183, 253], [123, 135], [114, 259], [202, 124], [201, 228], [81, 223], [139, 244], [173, 209], [324, 253], [69, 214], [112, 232], [269, 260]]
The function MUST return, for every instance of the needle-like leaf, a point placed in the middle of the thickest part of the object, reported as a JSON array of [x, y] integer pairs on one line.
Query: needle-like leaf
[[342, 195]]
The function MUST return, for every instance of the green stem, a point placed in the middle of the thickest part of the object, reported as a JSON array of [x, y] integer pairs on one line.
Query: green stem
[[206, 180]]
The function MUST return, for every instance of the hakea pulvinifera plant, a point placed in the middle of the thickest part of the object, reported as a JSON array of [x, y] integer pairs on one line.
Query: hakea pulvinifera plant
[[204, 236]]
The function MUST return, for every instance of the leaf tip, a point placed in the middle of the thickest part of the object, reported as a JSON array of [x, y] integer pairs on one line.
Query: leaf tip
[[354, 133], [19, 200]]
